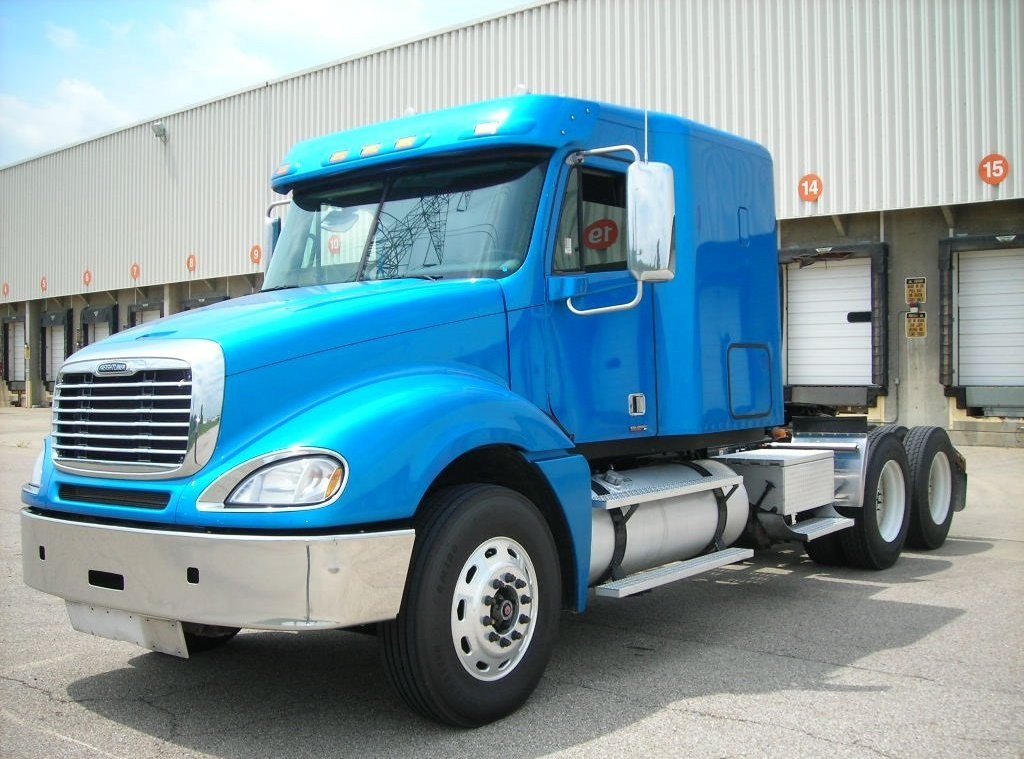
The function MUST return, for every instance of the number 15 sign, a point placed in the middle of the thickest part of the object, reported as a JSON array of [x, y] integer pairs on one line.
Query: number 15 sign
[[993, 169]]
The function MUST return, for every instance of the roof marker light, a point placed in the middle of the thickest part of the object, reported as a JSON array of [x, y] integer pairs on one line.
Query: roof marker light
[[338, 156], [371, 149], [405, 142], [486, 127], [283, 169]]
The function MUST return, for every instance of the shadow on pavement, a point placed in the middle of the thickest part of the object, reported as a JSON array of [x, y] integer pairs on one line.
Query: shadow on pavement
[[779, 624]]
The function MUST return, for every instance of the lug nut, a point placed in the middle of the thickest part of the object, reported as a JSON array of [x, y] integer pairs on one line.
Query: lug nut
[[509, 577], [488, 600], [495, 583], [493, 637], [486, 621], [515, 635], [524, 618], [520, 584], [525, 599], [504, 643]]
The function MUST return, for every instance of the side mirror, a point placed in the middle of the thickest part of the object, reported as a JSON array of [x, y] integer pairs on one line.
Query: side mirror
[[650, 195], [271, 232]]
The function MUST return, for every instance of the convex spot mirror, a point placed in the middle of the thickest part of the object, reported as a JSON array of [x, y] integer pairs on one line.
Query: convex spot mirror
[[271, 233], [650, 193]]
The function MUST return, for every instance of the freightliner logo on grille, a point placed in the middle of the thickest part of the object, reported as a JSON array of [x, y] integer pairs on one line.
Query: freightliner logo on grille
[[113, 367]]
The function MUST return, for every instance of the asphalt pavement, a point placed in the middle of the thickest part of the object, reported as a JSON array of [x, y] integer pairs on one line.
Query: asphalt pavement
[[774, 657]]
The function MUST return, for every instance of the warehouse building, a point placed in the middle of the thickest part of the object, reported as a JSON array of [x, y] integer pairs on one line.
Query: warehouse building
[[899, 167]]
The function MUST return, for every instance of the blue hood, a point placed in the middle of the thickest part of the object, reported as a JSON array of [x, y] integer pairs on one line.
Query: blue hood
[[268, 328]]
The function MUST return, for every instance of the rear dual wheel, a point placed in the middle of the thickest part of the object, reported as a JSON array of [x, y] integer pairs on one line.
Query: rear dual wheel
[[880, 525], [938, 486]]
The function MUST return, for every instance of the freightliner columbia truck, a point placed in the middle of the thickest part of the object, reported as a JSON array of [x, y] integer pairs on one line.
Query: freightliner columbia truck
[[507, 356]]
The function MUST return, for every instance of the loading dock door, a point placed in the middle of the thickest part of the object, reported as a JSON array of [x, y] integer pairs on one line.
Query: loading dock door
[[144, 317], [55, 349], [16, 351], [990, 318], [828, 324], [98, 331]]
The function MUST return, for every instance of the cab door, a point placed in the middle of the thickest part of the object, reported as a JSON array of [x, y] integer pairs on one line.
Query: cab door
[[601, 372]]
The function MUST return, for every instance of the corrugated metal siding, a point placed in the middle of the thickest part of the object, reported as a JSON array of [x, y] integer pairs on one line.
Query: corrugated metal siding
[[893, 103]]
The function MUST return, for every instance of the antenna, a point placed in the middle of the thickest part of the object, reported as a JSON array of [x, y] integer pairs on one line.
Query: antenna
[[647, 63]]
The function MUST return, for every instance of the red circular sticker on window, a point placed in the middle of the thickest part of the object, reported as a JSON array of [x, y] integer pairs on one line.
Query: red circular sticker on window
[[601, 234], [334, 245]]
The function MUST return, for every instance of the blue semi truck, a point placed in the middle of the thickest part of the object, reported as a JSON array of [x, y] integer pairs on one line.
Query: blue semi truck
[[506, 356]]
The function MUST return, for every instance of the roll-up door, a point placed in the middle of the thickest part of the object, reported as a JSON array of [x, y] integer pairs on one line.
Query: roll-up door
[[990, 318], [828, 323], [17, 352], [98, 331], [144, 317], [56, 342]]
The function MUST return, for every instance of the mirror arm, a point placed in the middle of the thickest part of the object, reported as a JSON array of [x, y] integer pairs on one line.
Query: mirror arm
[[577, 158], [609, 309]]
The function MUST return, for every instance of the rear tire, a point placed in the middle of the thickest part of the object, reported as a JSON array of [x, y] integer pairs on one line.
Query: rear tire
[[881, 523], [480, 612], [937, 486]]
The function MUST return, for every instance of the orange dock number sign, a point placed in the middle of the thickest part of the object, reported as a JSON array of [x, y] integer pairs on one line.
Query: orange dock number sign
[[810, 187], [993, 169]]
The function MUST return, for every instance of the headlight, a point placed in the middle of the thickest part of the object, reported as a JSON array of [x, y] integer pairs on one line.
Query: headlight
[[294, 482]]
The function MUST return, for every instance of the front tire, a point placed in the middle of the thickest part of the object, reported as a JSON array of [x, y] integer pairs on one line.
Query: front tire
[[880, 524], [480, 612], [937, 486]]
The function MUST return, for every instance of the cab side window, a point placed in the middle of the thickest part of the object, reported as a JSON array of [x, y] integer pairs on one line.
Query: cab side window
[[592, 228]]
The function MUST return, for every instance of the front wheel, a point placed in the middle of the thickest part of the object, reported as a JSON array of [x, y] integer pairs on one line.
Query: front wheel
[[880, 524], [480, 612]]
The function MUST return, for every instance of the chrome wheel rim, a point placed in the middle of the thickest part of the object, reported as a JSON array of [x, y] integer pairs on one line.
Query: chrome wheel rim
[[493, 612], [890, 501], [940, 488]]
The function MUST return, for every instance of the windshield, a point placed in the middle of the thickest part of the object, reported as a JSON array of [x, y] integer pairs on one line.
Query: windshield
[[468, 220]]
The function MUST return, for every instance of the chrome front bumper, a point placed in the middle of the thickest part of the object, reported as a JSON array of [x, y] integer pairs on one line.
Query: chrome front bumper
[[258, 581]]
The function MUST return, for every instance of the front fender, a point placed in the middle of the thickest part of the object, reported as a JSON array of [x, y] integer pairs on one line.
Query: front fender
[[397, 436]]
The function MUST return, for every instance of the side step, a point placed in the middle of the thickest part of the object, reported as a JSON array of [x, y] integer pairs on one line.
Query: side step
[[679, 570], [811, 529]]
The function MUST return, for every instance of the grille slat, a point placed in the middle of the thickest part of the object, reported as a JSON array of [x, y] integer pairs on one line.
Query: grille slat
[[145, 419], [89, 385], [108, 398], [85, 410], [92, 436], [162, 423], [118, 449]]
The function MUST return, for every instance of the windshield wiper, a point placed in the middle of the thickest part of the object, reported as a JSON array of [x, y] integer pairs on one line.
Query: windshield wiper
[[278, 287]]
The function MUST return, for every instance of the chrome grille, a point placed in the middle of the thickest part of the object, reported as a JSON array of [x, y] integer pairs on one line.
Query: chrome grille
[[151, 410], [141, 419]]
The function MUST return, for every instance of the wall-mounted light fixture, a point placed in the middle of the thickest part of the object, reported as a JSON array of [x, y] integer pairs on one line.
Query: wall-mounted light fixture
[[159, 130]]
